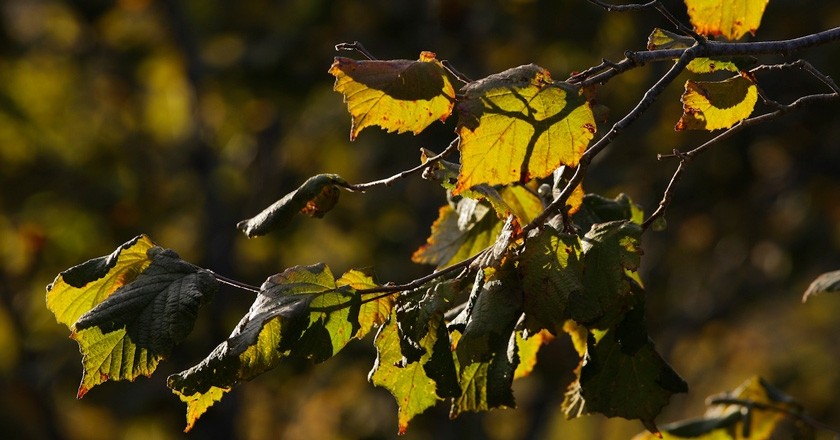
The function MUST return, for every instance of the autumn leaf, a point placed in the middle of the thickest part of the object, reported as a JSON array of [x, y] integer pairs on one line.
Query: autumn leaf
[[397, 95], [142, 300], [518, 125], [458, 234], [825, 283], [661, 39], [528, 349], [731, 19], [302, 312], [315, 197], [717, 105]]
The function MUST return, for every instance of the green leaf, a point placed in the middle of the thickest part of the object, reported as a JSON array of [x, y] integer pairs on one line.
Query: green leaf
[[145, 300], [300, 312], [415, 312], [825, 283], [518, 125], [458, 234], [486, 384], [717, 105], [397, 95], [552, 275], [598, 209], [610, 253], [411, 383], [662, 39], [731, 19], [622, 375], [317, 196]]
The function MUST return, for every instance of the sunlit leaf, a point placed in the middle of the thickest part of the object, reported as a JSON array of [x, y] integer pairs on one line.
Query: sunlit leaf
[[519, 125], [661, 39], [397, 95], [152, 307], [523, 203], [315, 197], [410, 382], [762, 412], [731, 19], [301, 312], [528, 349], [375, 307], [825, 283], [622, 375], [458, 234], [198, 403], [717, 105]]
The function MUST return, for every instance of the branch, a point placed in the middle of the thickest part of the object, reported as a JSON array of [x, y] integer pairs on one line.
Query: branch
[[419, 282], [358, 47], [750, 404], [362, 187]]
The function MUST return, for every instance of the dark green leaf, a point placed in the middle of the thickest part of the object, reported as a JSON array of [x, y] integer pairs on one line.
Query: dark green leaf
[[598, 209], [315, 198]]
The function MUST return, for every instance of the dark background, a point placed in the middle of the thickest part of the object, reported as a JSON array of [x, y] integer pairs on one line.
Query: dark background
[[177, 119]]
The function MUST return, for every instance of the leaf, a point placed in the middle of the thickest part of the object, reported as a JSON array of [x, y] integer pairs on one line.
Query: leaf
[[318, 195], [717, 105], [661, 39], [755, 410], [375, 308], [415, 312], [731, 19], [598, 209], [397, 95], [486, 384], [458, 234], [409, 383], [622, 375], [144, 299], [518, 125], [528, 349], [522, 202], [610, 252], [301, 312], [551, 271], [825, 283], [199, 403]]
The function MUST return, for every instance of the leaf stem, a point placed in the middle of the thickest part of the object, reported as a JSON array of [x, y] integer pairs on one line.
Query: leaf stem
[[358, 47], [362, 187], [234, 283]]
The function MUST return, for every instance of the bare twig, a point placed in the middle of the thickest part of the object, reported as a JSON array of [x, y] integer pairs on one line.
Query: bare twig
[[622, 8], [457, 74], [358, 47], [362, 187], [233, 283]]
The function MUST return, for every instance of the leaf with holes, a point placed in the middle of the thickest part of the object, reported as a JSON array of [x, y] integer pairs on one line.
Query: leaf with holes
[[731, 19], [717, 105], [127, 311], [397, 95], [518, 125]]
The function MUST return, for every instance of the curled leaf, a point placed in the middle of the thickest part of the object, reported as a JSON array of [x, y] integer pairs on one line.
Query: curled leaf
[[397, 95], [717, 105], [315, 197]]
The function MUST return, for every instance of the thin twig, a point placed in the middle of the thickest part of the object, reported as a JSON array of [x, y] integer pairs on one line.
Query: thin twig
[[769, 407], [455, 72], [231, 282], [362, 187], [623, 8], [358, 47], [394, 288]]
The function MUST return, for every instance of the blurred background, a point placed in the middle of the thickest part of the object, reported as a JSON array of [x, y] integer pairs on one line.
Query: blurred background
[[177, 119]]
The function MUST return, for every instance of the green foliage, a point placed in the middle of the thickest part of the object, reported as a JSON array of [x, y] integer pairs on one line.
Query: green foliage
[[543, 258]]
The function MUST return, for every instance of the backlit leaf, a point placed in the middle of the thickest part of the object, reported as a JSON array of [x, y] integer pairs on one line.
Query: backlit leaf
[[731, 19], [518, 125], [152, 307], [486, 384], [315, 197], [458, 234], [375, 309], [717, 105], [825, 283], [397, 95], [528, 349], [622, 375], [661, 39], [410, 382], [301, 312]]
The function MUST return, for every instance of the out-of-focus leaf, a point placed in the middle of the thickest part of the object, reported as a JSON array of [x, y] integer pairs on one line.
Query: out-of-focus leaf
[[458, 234], [411, 383], [730, 18], [762, 412], [317, 196], [551, 271], [397, 95], [825, 283], [717, 105], [622, 375], [662, 39], [301, 312], [518, 125], [145, 300], [528, 349]]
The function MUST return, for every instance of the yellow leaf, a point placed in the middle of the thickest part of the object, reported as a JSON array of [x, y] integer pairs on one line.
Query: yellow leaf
[[717, 105], [518, 125], [397, 95], [199, 403], [528, 349], [661, 39], [731, 19]]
